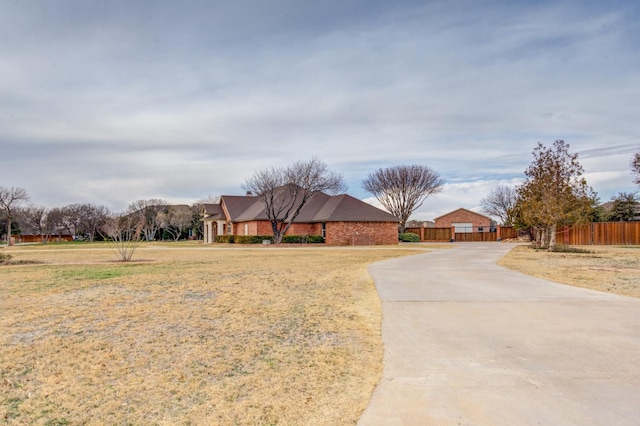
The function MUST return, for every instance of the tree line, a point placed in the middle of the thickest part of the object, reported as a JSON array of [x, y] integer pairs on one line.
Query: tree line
[[283, 191], [152, 219]]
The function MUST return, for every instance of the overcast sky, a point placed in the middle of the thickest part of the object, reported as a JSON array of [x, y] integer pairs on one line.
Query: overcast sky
[[109, 102]]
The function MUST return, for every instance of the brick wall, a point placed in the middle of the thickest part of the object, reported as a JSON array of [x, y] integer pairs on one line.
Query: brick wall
[[305, 229], [338, 233], [462, 216], [263, 227], [361, 233]]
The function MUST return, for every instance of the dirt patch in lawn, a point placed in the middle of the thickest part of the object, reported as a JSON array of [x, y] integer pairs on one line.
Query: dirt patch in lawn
[[603, 268], [203, 336]]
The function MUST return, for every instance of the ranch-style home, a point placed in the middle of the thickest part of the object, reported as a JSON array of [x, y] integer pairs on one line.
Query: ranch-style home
[[464, 220], [340, 219]]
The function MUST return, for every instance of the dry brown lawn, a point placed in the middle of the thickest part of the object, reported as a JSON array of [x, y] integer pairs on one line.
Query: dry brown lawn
[[189, 335], [604, 268]]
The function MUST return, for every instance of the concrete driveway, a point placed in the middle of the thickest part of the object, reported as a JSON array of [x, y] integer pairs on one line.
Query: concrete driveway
[[470, 343]]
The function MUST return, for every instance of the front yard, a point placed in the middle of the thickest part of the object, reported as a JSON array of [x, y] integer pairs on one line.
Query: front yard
[[605, 268], [189, 334]]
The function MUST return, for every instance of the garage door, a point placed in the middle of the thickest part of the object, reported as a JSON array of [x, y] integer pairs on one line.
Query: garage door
[[462, 227]]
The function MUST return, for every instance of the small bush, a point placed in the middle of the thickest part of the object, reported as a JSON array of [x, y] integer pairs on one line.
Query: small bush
[[559, 248], [229, 239], [569, 249], [409, 237], [315, 239], [258, 239], [5, 259], [302, 239], [251, 239]]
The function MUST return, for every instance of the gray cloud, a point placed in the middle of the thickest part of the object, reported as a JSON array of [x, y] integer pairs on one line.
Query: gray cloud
[[119, 101]]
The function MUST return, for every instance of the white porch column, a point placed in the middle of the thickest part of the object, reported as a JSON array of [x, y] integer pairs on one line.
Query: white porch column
[[209, 232]]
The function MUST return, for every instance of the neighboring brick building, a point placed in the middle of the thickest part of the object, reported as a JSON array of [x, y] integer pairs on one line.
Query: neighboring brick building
[[340, 219], [464, 220]]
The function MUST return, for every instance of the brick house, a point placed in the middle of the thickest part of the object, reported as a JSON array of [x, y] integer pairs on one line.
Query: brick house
[[464, 220], [340, 219]]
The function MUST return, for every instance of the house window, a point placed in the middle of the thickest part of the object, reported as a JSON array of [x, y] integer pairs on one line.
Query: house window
[[229, 228], [480, 229], [324, 230], [246, 229]]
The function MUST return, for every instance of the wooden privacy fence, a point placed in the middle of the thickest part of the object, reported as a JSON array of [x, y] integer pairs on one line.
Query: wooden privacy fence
[[600, 233], [448, 234], [38, 238]]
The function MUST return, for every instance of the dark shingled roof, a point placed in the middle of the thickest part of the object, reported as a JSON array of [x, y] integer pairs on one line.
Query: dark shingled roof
[[237, 204], [345, 208], [321, 208], [213, 211]]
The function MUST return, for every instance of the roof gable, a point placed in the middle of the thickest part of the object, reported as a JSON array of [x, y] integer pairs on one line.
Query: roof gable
[[212, 211], [236, 205], [465, 210]]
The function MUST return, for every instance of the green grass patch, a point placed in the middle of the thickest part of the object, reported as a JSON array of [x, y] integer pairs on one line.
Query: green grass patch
[[99, 272]]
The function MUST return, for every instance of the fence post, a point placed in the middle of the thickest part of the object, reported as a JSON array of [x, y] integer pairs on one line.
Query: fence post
[[452, 239], [498, 236]]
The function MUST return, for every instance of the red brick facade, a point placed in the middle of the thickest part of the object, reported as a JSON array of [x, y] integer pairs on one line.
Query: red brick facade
[[337, 233], [263, 227], [463, 216], [361, 233]]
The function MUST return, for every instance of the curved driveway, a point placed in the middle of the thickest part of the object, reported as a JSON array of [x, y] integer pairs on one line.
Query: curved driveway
[[470, 343]]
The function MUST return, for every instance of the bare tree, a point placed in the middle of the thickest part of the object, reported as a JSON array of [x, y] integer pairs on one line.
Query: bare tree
[[91, 219], [147, 213], [10, 198], [209, 199], [415, 224], [500, 203], [55, 221], [635, 167], [285, 191], [554, 193], [36, 219], [122, 229], [175, 220], [402, 189], [71, 218]]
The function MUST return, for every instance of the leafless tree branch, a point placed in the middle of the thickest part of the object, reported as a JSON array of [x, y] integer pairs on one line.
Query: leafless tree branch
[[500, 203], [285, 191], [403, 189], [9, 199]]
